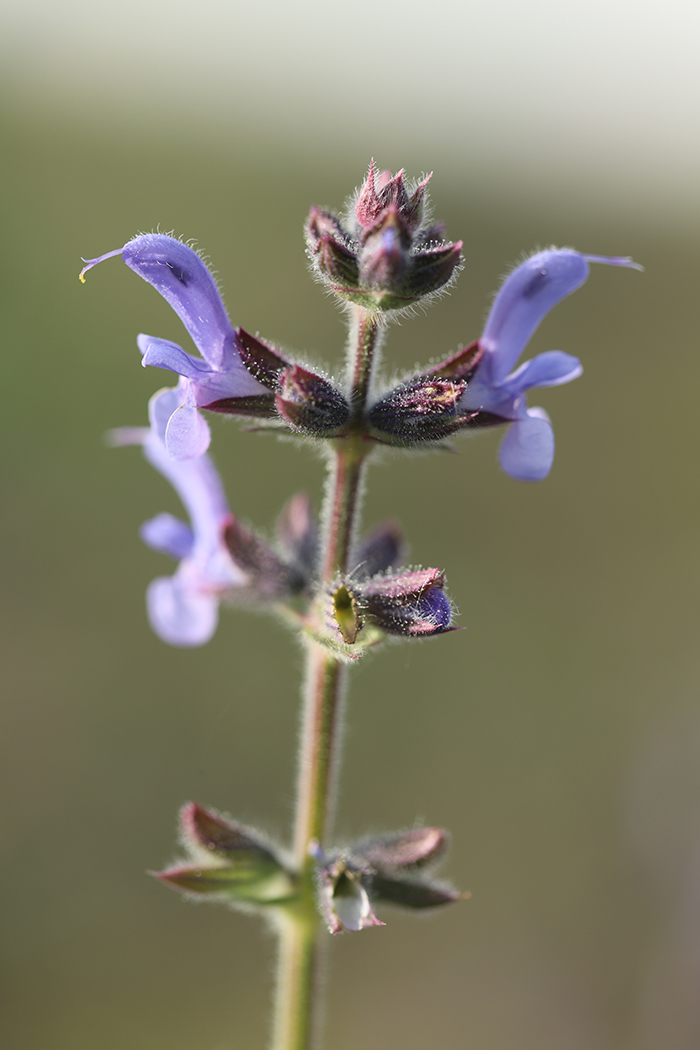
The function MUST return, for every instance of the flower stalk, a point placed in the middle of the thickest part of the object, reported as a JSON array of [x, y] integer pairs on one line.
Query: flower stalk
[[322, 719], [341, 596]]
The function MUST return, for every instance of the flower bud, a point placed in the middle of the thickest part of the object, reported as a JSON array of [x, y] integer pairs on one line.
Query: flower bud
[[410, 603], [331, 252], [310, 404], [422, 410], [430, 407], [382, 258], [382, 191], [385, 252]]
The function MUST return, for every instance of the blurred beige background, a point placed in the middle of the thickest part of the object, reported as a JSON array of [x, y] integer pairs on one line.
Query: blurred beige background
[[558, 736]]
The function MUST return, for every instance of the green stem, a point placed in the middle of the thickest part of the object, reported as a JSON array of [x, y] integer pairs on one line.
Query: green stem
[[323, 718], [297, 981], [299, 972]]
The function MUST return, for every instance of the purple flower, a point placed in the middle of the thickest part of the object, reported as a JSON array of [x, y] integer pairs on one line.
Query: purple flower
[[184, 609], [524, 299], [183, 279]]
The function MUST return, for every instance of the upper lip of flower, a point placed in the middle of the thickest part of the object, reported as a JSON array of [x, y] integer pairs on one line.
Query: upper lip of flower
[[523, 300], [183, 279]]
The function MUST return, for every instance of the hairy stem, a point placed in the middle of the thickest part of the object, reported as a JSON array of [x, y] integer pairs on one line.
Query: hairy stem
[[299, 973], [323, 717], [365, 341], [296, 1000]]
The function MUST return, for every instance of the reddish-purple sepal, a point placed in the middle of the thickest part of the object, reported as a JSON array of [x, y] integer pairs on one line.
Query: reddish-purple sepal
[[262, 361], [460, 366], [201, 828], [383, 190], [265, 365], [405, 849]]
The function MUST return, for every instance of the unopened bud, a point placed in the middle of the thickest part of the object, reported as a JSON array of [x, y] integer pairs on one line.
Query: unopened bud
[[410, 603], [331, 252], [385, 252], [423, 410], [382, 190], [310, 403], [381, 257], [427, 407]]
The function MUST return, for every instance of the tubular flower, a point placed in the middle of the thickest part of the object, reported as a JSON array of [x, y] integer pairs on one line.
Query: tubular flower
[[183, 279], [183, 609], [524, 299]]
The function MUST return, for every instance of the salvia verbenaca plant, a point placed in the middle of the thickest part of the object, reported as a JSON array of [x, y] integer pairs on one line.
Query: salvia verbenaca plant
[[341, 592]]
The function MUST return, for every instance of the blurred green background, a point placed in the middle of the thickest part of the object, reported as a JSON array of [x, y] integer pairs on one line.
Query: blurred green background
[[558, 736]]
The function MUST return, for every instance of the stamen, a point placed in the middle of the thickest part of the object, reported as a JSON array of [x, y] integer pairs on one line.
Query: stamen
[[89, 263], [614, 260]]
